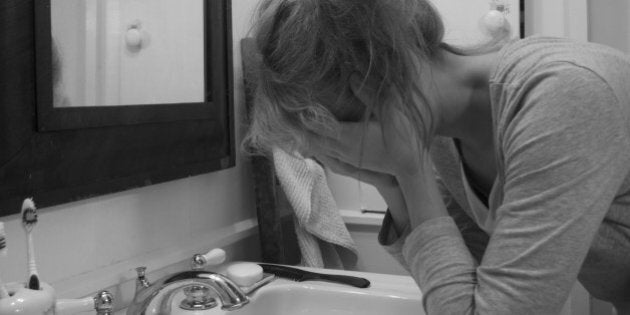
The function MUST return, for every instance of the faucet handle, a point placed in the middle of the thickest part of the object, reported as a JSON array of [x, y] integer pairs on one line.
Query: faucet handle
[[213, 257], [141, 271], [104, 303], [141, 281]]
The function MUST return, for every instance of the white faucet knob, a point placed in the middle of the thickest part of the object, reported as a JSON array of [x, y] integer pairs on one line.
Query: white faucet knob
[[211, 258]]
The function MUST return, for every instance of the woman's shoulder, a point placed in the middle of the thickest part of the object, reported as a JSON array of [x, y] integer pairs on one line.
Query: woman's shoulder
[[521, 58], [542, 69]]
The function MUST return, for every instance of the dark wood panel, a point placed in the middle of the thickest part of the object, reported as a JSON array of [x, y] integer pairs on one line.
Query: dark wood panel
[[276, 221]]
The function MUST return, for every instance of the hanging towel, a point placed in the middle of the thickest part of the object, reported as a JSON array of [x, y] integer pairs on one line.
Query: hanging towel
[[322, 235]]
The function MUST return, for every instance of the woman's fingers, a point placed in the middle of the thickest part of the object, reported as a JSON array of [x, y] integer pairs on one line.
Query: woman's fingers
[[362, 145], [390, 146], [337, 166], [350, 145], [367, 176]]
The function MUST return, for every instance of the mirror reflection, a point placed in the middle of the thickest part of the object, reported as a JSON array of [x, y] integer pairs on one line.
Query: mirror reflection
[[127, 52]]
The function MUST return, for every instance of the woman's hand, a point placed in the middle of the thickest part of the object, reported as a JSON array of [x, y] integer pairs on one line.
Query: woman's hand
[[381, 181], [371, 147], [382, 153], [386, 185], [404, 177], [390, 145]]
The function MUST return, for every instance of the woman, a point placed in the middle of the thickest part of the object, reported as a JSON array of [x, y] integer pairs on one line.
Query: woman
[[530, 142]]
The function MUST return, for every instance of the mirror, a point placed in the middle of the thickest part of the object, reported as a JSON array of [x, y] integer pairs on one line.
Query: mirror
[[111, 53], [63, 153], [125, 62]]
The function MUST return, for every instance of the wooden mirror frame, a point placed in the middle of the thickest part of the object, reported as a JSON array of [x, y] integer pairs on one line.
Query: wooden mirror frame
[[133, 146]]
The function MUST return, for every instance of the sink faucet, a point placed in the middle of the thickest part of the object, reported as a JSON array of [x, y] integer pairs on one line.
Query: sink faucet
[[230, 295]]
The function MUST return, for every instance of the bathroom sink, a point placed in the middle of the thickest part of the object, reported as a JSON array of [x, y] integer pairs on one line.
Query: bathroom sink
[[388, 294], [312, 299]]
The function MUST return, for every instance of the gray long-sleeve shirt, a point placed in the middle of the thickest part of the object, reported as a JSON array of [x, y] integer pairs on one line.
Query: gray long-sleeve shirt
[[559, 209]]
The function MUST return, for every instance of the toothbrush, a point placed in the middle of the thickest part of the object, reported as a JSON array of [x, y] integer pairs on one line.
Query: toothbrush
[[29, 219], [3, 252]]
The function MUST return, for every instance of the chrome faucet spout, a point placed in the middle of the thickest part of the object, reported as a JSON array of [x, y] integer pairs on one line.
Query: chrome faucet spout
[[230, 295]]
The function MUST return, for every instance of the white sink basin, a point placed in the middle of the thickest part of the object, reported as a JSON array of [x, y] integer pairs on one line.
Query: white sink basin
[[388, 294], [305, 299]]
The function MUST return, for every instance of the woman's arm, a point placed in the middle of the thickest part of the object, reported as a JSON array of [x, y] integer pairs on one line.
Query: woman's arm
[[386, 185], [475, 239], [396, 222], [566, 152]]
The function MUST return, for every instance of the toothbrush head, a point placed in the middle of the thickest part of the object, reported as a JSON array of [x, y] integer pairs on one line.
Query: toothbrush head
[[33, 283], [29, 214], [3, 241]]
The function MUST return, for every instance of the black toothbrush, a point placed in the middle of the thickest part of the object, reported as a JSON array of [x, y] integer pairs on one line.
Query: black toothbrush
[[300, 275]]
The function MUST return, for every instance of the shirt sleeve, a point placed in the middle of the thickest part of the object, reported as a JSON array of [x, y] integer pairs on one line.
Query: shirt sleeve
[[566, 153], [475, 239], [391, 240]]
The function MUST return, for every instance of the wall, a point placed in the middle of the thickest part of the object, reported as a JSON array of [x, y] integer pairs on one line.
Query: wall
[[609, 23], [87, 245]]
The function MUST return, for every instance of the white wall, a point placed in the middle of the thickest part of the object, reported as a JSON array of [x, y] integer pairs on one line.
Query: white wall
[[90, 244], [609, 23]]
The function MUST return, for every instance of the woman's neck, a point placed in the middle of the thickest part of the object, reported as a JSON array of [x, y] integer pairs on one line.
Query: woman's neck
[[462, 98]]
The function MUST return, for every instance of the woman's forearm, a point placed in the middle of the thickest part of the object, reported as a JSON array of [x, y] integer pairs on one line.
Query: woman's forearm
[[397, 208], [422, 198]]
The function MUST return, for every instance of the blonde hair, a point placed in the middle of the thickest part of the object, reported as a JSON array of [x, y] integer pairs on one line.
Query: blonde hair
[[311, 48]]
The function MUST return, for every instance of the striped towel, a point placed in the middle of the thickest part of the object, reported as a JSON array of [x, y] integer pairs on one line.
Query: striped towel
[[322, 235]]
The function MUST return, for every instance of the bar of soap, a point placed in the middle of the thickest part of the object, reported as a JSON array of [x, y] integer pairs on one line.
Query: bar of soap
[[245, 274]]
